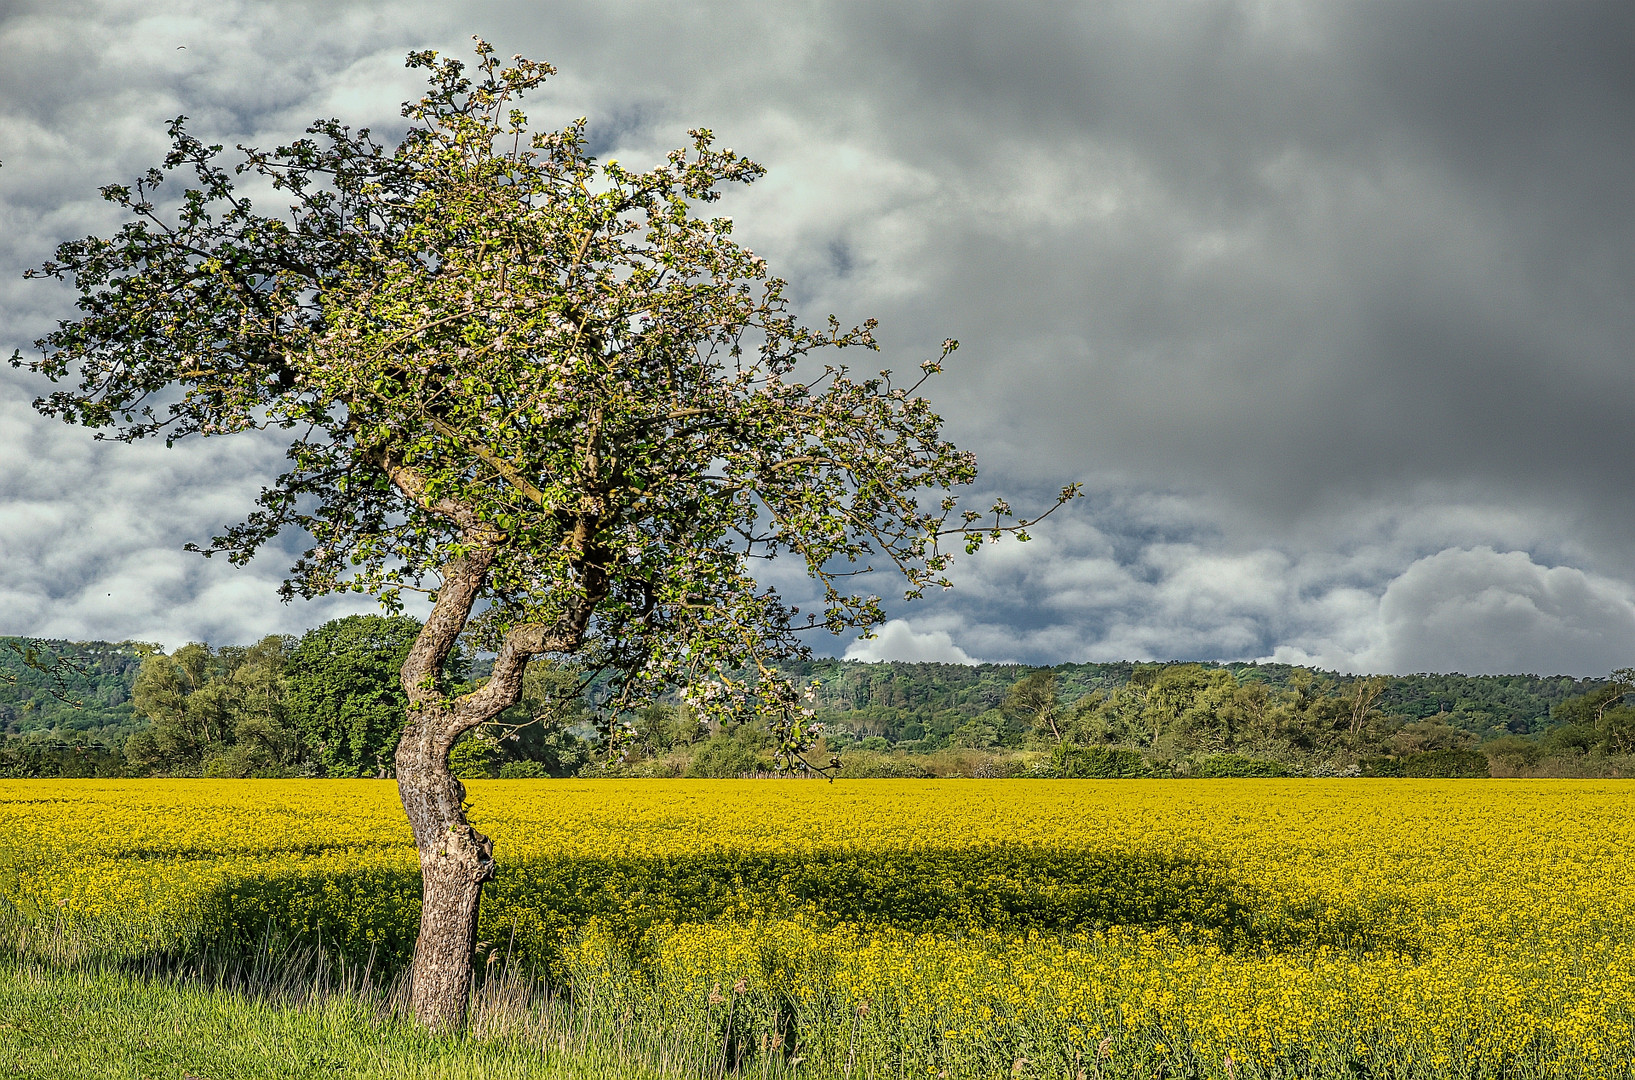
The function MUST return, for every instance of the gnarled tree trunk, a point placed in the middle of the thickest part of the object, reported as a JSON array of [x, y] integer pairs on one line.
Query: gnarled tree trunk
[[455, 859]]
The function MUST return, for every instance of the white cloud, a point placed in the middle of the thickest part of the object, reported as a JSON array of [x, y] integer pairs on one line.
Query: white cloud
[[1480, 611], [1085, 591], [897, 640], [91, 538]]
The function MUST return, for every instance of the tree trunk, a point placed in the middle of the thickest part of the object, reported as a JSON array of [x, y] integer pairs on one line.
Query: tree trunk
[[455, 860]]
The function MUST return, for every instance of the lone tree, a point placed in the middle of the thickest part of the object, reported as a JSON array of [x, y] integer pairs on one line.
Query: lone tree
[[534, 386]]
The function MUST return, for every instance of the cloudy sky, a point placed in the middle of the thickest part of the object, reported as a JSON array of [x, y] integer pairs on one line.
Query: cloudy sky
[[1329, 305]]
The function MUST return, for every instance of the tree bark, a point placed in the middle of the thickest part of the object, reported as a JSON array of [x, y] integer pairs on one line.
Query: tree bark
[[455, 859]]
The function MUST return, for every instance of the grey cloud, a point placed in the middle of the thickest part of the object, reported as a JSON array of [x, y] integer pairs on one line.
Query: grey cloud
[[1310, 293], [92, 539], [1482, 612], [1067, 595]]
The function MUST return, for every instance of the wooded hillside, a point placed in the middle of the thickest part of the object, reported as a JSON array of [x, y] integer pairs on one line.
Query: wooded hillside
[[128, 709]]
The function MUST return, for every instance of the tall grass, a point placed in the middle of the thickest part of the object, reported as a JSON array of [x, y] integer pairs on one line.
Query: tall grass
[[70, 1009]]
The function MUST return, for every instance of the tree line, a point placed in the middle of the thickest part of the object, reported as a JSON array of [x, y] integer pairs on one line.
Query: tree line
[[330, 703]]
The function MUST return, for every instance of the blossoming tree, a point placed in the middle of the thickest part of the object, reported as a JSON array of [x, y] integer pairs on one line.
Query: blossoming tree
[[539, 388]]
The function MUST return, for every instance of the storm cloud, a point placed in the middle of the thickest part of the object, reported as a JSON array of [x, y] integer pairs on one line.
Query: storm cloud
[[1328, 304]]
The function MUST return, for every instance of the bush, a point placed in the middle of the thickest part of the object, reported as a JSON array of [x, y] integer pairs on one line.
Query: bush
[[475, 757], [1568, 739], [1446, 764], [1513, 753], [722, 757], [1097, 762], [524, 770], [863, 766], [1431, 765], [1236, 765]]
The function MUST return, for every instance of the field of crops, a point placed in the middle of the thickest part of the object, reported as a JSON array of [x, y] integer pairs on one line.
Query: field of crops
[[887, 928]]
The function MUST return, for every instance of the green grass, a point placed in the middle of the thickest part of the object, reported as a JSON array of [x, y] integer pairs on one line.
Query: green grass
[[100, 1022]]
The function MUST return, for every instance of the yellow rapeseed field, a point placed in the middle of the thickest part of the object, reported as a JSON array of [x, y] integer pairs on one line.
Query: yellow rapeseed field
[[1062, 928]]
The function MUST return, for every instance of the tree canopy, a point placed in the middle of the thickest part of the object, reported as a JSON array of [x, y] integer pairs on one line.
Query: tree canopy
[[346, 691], [502, 356], [542, 389], [216, 713]]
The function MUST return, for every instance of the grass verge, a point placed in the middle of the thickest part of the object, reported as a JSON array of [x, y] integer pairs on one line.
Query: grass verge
[[100, 1023]]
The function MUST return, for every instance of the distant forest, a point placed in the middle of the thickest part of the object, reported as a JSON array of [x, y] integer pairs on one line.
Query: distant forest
[[324, 704], [920, 701]]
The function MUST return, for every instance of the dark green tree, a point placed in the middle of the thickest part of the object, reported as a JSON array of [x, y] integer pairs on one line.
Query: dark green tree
[[38, 656], [346, 691], [1030, 705], [215, 713], [1602, 720]]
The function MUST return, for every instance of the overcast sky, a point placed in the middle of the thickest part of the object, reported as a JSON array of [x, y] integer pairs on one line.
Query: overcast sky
[[1329, 305]]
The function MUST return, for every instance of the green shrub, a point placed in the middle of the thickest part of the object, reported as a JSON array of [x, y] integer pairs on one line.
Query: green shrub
[[1240, 765], [1097, 762], [1513, 752], [1430, 765], [863, 766], [524, 770], [475, 757], [722, 757], [1446, 764]]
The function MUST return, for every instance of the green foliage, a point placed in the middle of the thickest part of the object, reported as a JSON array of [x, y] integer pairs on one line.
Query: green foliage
[[1237, 765], [901, 701], [20, 760], [1601, 721], [1570, 739], [741, 751], [1097, 762], [537, 736], [1485, 705], [1514, 752], [37, 656], [476, 755], [869, 765], [1308, 721], [37, 700], [527, 770], [1431, 764], [548, 381], [215, 713], [1031, 706], [346, 692]]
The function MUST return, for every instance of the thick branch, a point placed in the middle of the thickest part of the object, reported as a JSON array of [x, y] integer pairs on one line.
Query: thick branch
[[504, 685], [463, 580]]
